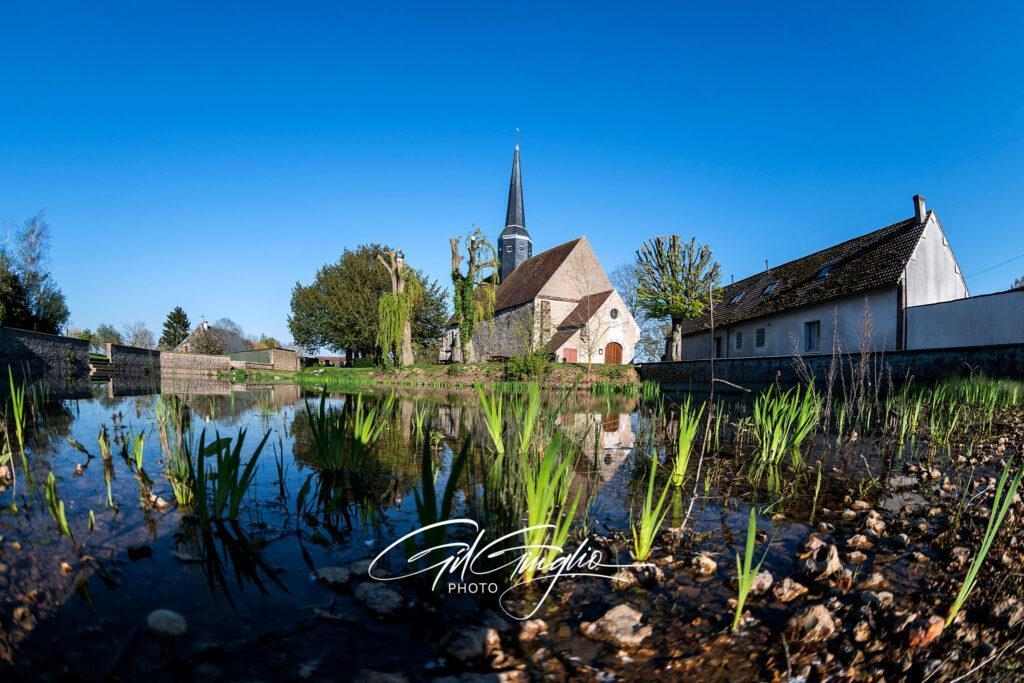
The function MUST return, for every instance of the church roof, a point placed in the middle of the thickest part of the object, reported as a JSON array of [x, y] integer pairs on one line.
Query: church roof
[[584, 310], [864, 263], [515, 216], [529, 278]]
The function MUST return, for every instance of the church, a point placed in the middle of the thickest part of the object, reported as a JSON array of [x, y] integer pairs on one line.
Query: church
[[560, 301]]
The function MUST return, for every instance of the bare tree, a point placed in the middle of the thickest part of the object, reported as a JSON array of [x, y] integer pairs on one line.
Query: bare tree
[[653, 331], [136, 334]]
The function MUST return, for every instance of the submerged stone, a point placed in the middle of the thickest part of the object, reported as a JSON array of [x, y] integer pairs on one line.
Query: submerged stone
[[164, 622]]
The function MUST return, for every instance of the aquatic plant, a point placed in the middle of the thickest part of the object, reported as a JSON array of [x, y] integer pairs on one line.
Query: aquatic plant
[[56, 507], [138, 448], [367, 424], [746, 570], [545, 488], [218, 493], [526, 410], [493, 421], [18, 413], [782, 421], [689, 422], [1001, 503], [652, 515]]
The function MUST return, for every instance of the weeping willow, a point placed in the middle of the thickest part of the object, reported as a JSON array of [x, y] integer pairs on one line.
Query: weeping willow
[[394, 312], [473, 298]]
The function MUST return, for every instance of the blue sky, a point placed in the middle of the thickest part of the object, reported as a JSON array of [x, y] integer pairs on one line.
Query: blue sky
[[209, 155]]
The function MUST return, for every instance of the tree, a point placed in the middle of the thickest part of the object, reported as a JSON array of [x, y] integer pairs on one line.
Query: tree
[[675, 281], [176, 328], [429, 319], [14, 311], [106, 334], [204, 341], [44, 299], [473, 292], [229, 325], [394, 309], [339, 310], [1019, 282], [653, 331], [268, 342], [137, 334], [80, 333]]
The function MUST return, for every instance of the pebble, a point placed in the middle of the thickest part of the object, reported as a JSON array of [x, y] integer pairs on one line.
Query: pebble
[[813, 625], [333, 576], [378, 598], [789, 590], [762, 583], [164, 622], [619, 626], [704, 565]]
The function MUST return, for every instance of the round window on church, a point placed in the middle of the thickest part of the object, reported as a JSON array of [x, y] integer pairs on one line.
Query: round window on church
[[614, 313]]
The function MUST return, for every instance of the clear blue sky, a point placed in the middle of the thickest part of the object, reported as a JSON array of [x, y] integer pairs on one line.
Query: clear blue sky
[[209, 155]]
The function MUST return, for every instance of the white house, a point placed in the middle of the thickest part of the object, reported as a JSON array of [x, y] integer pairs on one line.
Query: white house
[[847, 297]]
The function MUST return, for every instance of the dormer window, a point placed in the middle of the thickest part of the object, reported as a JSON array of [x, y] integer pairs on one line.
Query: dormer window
[[738, 298], [770, 288], [823, 273]]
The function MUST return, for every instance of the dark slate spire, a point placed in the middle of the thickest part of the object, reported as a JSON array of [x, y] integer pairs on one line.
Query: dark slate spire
[[514, 244]]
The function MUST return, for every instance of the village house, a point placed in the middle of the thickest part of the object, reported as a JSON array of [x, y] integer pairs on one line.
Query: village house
[[864, 293], [232, 341], [560, 301]]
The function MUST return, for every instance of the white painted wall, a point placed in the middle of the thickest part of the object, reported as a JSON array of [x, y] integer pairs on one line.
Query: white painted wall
[[623, 330], [977, 321], [932, 273], [782, 329]]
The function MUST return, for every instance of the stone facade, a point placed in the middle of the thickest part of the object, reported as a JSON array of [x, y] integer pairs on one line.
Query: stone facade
[[131, 360], [34, 354], [751, 373], [193, 363]]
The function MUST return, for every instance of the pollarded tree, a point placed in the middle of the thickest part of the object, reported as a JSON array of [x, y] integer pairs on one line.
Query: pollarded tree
[[474, 290], [675, 280], [395, 308], [176, 328]]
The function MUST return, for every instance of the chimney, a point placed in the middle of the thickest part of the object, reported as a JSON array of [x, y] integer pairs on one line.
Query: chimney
[[919, 210], [206, 325]]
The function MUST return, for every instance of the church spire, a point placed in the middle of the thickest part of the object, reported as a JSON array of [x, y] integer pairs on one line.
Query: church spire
[[514, 243]]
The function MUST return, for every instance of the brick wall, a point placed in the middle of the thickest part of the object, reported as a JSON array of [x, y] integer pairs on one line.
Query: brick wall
[[994, 361], [37, 354], [283, 359]]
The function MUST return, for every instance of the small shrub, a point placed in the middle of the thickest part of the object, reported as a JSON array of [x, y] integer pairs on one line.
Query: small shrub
[[365, 362], [529, 365]]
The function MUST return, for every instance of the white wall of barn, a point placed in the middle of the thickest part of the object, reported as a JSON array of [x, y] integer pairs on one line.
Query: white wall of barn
[[843, 319], [932, 273], [978, 321]]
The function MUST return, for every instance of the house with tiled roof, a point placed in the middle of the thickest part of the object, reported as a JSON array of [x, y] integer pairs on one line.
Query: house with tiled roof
[[851, 296], [231, 341], [560, 301]]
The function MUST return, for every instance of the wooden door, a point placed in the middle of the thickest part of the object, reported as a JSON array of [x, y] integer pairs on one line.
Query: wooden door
[[569, 355], [613, 354]]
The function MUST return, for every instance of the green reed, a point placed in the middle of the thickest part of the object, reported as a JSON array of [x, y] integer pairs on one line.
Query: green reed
[[652, 515], [18, 413], [1001, 504], [782, 421], [217, 493], [689, 422], [545, 488], [746, 570], [56, 507], [493, 420]]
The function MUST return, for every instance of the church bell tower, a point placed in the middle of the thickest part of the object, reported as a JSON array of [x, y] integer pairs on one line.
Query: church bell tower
[[514, 243]]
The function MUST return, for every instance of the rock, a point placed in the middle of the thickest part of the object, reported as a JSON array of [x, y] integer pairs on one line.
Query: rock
[[333, 576], [65, 568], [874, 581], [902, 540], [620, 626], [860, 505], [880, 599], [1010, 610], [874, 523], [789, 590], [378, 598], [859, 542], [473, 643], [861, 632], [813, 625], [704, 565], [856, 557], [5, 475], [925, 634], [22, 616], [159, 503], [164, 622], [960, 555], [369, 676], [532, 629], [832, 563], [762, 582], [624, 579]]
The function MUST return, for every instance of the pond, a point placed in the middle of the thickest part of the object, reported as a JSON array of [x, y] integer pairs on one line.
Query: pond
[[334, 556]]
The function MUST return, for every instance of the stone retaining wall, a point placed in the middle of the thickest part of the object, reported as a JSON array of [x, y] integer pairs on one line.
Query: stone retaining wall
[[924, 364], [193, 363], [35, 354], [131, 360]]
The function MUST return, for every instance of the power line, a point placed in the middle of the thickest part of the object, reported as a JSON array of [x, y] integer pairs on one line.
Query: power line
[[998, 265]]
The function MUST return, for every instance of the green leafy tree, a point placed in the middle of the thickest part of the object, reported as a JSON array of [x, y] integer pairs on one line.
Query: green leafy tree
[[14, 311], [176, 328], [429, 318], [106, 334], [269, 342], [675, 280]]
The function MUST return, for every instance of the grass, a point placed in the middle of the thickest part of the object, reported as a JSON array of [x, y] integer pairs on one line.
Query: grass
[[56, 507], [493, 421], [652, 515], [545, 488], [217, 493], [746, 570], [18, 413], [1001, 504]]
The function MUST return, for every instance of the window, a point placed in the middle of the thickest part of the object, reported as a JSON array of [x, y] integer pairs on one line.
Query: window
[[738, 298], [770, 288], [718, 347], [614, 313], [508, 249], [522, 248], [825, 270], [739, 341], [812, 335], [759, 338]]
